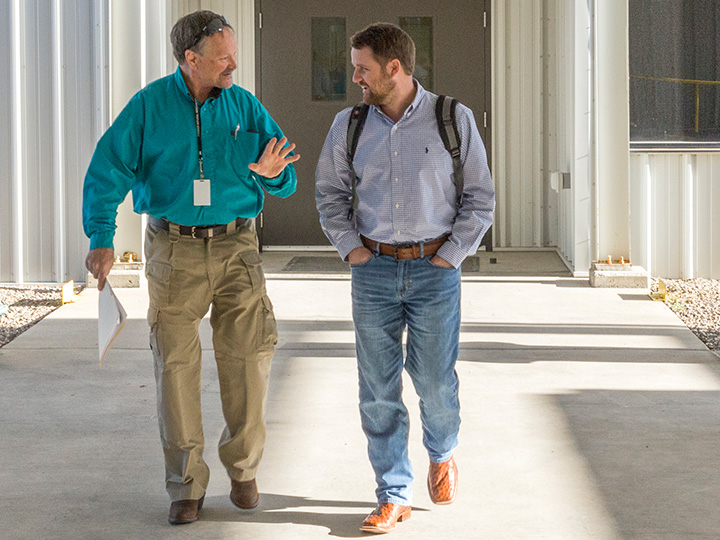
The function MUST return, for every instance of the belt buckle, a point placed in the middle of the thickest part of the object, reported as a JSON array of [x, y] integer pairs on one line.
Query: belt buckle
[[398, 248], [192, 232]]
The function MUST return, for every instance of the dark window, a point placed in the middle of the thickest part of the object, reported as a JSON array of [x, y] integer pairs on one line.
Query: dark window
[[420, 29], [329, 58], [674, 71]]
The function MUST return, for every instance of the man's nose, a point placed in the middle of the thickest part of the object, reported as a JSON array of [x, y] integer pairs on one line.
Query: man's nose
[[356, 78]]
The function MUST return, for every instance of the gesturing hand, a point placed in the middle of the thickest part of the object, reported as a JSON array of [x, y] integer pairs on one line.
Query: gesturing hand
[[274, 158]]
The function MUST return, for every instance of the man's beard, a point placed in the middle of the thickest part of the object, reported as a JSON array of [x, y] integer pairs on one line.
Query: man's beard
[[379, 96]]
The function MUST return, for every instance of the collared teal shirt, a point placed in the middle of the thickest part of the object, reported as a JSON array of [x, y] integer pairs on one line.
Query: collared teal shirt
[[152, 149]]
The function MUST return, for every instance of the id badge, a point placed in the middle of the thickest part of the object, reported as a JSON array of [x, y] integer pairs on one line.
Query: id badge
[[201, 192]]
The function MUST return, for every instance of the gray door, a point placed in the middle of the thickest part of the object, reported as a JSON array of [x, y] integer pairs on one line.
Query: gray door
[[304, 78]]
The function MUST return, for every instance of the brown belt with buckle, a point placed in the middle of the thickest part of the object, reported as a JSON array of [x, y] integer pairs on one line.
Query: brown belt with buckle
[[199, 231], [405, 251]]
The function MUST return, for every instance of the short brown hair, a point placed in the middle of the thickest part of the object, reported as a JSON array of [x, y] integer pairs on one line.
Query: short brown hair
[[187, 33], [387, 42]]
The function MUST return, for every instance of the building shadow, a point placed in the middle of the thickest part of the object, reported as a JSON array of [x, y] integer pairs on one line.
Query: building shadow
[[654, 456]]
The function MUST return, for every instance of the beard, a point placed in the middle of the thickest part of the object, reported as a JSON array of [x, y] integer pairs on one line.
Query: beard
[[379, 95]]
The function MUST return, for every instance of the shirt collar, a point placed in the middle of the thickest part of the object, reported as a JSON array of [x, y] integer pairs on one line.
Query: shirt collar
[[185, 91], [419, 95]]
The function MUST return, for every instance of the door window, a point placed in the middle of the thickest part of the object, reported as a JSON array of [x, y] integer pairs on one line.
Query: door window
[[420, 29], [329, 58]]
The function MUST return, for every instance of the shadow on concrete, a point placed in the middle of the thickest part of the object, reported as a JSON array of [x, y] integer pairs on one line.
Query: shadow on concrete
[[654, 456], [276, 508]]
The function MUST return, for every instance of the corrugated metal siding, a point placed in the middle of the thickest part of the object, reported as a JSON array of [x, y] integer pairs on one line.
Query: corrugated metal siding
[[6, 147], [542, 104], [48, 133], [526, 210], [675, 223]]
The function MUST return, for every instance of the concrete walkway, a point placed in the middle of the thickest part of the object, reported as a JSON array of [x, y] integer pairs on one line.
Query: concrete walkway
[[587, 414]]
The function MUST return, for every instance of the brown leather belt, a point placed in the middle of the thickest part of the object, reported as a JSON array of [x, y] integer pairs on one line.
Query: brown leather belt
[[199, 231], [405, 251]]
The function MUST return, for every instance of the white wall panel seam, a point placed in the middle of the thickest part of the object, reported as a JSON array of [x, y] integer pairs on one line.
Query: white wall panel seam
[[499, 126], [688, 216], [18, 147], [59, 142], [537, 100]]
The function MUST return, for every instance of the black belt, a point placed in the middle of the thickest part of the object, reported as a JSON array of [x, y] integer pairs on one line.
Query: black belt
[[198, 231]]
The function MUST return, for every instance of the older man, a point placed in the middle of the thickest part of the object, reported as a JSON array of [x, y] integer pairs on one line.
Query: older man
[[197, 153]]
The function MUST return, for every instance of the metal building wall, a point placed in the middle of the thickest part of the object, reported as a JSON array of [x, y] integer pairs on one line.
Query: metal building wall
[[49, 123], [675, 221], [518, 123], [542, 112]]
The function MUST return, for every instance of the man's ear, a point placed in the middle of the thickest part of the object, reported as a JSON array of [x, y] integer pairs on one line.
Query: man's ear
[[393, 67], [191, 58]]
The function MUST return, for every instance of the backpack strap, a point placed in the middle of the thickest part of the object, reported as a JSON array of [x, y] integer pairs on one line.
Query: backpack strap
[[445, 114], [355, 128]]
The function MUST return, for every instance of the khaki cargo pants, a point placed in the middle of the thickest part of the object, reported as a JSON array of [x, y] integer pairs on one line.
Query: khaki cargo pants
[[186, 277]]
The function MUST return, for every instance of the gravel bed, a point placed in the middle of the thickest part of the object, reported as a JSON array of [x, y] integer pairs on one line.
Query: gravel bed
[[697, 303], [27, 304]]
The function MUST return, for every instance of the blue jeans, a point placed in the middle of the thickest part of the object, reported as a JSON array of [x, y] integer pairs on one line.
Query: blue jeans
[[387, 297]]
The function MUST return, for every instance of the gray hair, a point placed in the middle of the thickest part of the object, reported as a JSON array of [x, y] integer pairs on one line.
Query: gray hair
[[189, 32]]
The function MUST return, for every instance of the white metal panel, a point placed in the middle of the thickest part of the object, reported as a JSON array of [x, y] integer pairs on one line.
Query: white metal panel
[[581, 207], [48, 131], [707, 222], [674, 216], [6, 142], [517, 107], [84, 114], [38, 120]]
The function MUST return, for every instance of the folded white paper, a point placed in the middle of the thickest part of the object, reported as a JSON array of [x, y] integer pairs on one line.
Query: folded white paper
[[111, 319]]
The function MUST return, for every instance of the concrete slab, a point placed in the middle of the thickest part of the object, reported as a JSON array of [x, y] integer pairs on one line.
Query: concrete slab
[[587, 414]]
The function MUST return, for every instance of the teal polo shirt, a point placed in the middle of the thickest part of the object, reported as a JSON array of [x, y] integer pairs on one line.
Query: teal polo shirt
[[152, 149]]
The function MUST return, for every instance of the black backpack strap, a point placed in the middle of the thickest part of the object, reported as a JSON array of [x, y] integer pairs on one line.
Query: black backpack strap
[[355, 128], [445, 114]]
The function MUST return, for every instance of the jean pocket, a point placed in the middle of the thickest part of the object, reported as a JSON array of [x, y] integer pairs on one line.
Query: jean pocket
[[428, 260], [373, 256]]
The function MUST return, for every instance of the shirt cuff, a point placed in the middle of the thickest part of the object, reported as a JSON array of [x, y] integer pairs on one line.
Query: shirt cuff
[[452, 254], [102, 240], [275, 181], [347, 244]]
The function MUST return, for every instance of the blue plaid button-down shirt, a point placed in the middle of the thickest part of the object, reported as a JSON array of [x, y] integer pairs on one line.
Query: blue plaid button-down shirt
[[406, 191]]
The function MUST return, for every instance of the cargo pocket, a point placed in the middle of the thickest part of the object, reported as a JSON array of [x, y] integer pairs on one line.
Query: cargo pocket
[[158, 275], [253, 263], [267, 336]]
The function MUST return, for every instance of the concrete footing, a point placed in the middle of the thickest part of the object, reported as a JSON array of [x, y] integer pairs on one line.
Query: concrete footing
[[619, 276], [122, 275]]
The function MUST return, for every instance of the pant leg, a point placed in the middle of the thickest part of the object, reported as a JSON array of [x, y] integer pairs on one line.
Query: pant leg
[[433, 318], [179, 298], [379, 323], [244, 338]]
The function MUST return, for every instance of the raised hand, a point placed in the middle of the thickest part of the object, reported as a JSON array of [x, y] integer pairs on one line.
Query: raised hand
[[274, 159]]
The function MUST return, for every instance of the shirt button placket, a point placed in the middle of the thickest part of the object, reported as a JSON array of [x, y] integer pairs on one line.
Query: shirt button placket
[[395, 185]]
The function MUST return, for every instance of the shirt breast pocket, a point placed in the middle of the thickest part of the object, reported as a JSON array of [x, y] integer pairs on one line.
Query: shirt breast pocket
[[242, 149]]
